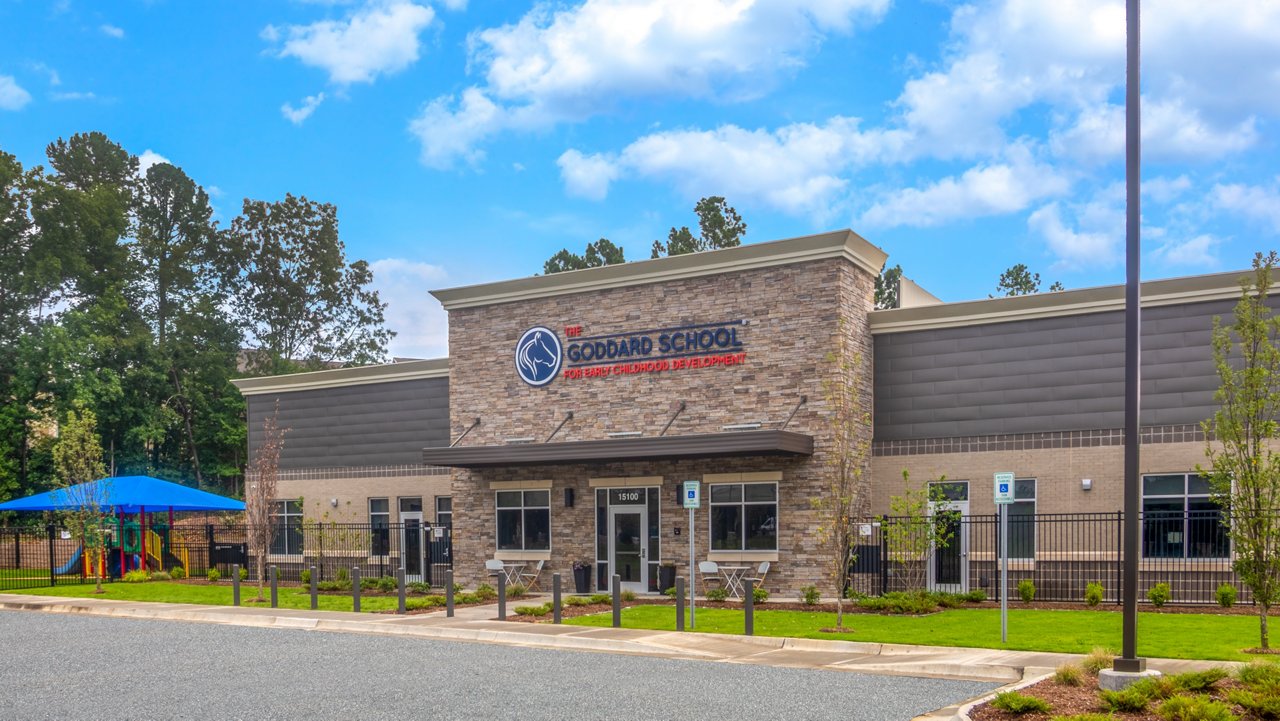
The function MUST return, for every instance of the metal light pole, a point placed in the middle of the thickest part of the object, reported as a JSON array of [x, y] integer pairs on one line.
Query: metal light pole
[[1129, 661]]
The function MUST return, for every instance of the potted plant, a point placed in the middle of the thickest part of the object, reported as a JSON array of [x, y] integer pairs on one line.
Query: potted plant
[[582, 577], [666, 575]]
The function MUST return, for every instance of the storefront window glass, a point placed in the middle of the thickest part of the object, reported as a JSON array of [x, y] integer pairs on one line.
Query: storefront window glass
[[287, 517], [744, 516], [1180, 519], [524, 520]]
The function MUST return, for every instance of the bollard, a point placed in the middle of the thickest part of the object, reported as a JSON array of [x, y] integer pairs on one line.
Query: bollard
[[275, 595], [235, 584], [617, 601], [315, 589], [355, 589], [400, 584], [679, 603], [448, 593], [555, 598], [749, 605], [502, 596]]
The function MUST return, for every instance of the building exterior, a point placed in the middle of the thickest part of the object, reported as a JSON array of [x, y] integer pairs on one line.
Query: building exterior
[[573, 406]]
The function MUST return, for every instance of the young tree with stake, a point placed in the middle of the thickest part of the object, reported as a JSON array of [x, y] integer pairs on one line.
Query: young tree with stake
[[77, 459], [260, 492]]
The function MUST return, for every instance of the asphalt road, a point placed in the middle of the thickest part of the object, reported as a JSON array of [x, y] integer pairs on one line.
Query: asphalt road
[[70, 667]]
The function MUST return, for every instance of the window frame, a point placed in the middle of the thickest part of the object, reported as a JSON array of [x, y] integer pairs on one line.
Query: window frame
[[1030, 518], [1186, 520], [288, 523], [524, 508], [448, 522], [379, 531], [742, 505]]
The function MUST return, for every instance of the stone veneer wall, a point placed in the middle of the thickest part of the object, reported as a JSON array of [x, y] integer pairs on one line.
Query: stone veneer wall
[[794, 313]]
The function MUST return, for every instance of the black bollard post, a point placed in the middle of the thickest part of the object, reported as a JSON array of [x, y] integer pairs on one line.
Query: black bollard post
[[355, 589], [749, 605], [448, 593], [680, 603], [400, 584], [315, 590], [617, 601], [502, 596], [275, 595], [235, 584], [555, 598]]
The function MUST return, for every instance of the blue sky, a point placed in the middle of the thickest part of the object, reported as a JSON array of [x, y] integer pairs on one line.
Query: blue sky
[[468, 141]]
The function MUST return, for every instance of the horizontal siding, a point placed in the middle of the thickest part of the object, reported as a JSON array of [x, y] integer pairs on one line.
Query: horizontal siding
[[1047, 374], [378, 424]]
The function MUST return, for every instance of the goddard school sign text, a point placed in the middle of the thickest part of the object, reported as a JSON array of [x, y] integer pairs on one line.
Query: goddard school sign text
[[703, 345]]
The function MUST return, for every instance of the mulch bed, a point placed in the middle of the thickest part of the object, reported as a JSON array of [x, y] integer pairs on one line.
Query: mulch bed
[[1070, 700]]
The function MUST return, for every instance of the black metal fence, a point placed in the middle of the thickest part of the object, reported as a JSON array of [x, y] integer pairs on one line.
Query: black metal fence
[[1060, 553], [33, 557]]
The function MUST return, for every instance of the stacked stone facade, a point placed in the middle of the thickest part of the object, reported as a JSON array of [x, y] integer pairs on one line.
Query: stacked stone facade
[[794, 313]]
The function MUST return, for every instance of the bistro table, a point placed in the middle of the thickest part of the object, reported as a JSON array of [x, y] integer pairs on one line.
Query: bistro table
[[733, 577], [512, 570]]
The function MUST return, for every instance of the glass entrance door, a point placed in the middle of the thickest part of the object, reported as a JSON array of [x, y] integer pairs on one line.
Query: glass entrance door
[[949, 565], [628, 547], [411, 545]]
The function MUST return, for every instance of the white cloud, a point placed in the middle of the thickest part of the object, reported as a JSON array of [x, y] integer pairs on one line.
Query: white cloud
[[54, 79], [454, 5], [12, 96], [111, 30], [1197, 253], [149, 158], [1170, 131], [1096, 239], [303, 111], [214, 191], [1165, 190], [1008, 186], [72, 95], [587, 176], [421, 325], [1250, 201], [447, 135], [566, 65], [379, 38]]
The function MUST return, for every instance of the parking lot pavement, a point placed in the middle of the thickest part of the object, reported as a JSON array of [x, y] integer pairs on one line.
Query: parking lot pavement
[[70, 667]]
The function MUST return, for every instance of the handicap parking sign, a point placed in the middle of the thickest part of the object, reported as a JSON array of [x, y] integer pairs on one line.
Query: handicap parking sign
[[1003, 488]]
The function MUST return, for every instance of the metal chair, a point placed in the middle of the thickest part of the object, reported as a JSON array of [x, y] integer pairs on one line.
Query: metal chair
[[494, 567], [761, 572], [710, 570], [530, 578]]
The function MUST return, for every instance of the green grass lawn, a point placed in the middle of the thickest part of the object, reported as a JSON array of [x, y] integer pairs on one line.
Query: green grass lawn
[[219, 595], [1197, 636]]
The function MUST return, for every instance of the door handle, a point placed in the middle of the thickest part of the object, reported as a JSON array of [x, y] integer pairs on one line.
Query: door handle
[[644, 553]]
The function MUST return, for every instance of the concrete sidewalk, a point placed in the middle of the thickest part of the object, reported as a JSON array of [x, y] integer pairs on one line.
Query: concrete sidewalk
[[478, 624]]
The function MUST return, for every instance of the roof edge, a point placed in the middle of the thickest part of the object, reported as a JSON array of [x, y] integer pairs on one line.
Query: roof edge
[[335, 377]]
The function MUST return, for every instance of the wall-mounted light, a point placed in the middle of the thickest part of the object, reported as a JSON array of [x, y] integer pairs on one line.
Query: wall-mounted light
[[625, 434], [333, 502], [1086, 484], [518, 441], [741, 426], [568, 498]]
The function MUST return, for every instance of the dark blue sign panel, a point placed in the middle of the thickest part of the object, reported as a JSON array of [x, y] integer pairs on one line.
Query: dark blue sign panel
[[538, 356]]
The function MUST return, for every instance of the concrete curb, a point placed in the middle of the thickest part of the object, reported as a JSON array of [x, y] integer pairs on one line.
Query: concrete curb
[[1030, 678]]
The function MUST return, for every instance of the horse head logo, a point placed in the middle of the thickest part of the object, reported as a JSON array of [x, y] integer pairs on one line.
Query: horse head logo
[[538, 356]]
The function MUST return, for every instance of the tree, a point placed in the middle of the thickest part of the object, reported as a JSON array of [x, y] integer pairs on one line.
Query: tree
[[261, 480], [1244, 471], [844, 503], [602, 252], [78, 460], [1018, 280], [919, 523], [719, 226], [888, 288], [302, 305]]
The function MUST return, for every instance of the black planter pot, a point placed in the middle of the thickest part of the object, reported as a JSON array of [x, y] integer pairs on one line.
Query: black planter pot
[[666, 577], [582, 580]]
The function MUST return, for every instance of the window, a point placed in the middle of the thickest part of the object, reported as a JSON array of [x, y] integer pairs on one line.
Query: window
[[524, 520], [287, 518], [410, 505], [1022, 519], [1180, 520], [744, 516], [380, 526], [444, 511]]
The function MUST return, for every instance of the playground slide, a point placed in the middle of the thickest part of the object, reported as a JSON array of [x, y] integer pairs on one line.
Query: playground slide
[[72, 564]]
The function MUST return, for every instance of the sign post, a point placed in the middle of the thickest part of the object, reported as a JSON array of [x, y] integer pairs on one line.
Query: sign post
[[1003, 497], [692, 498]]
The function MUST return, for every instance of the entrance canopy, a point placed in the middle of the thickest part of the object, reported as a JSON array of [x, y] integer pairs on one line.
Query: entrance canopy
[[126, 494], [651, 448]]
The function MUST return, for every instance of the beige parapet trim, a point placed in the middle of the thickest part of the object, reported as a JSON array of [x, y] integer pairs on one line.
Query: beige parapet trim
[[335, 377], [844, 244], [624, 482], [544, 485], [751, 477], [1171, 291]]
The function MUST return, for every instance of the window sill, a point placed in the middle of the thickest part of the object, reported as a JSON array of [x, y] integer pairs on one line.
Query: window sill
[[523, 555], [720, 556]]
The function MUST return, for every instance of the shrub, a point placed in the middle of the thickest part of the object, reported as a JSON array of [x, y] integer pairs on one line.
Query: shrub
[[541, 610], [901, 602], [1260, 676], [1027, 590], [1017, 703], [457, 587], [1093, 594], [333, 586], [977, 595], [809, 595], [137, 575], [344, 575], [417, 604], [1226, 595], [1069, 674], [468, 598], [244, 574], [1085, 717], [1098, 659], [628, 595], [949, 600], [671, 592], [1159, 595], [387, 584], [212, 575], [304, 576], [1131, 699], [601, 598], [1198, 681], [1265, 706], [1195, 708], [717, 594], [418, 587], [516, 590], [368, 584], [577, 601], [759, 594], [485, 592], [178, 573], [160, 576]]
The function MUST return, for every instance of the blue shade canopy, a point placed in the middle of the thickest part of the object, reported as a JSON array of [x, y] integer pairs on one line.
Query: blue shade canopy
[[127, 494]]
